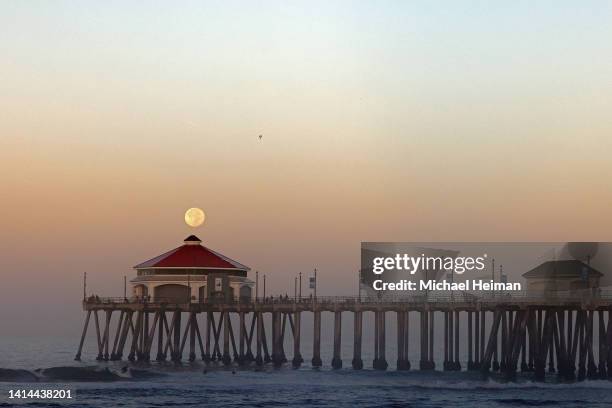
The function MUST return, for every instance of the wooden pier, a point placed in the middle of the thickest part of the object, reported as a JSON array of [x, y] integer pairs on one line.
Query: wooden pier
[[531, 333]]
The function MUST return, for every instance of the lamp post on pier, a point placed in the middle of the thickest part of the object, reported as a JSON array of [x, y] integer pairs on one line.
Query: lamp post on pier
[[256, 285], [359, 285], [313, 284], [315, 288]]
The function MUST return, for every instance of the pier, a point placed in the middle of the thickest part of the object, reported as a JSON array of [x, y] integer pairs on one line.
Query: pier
[[569, 334]]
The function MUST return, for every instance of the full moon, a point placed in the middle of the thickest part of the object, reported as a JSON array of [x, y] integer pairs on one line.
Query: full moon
[[194, 217]]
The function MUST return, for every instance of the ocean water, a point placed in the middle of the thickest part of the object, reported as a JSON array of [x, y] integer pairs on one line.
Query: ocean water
[[188, 385], [321, 388]]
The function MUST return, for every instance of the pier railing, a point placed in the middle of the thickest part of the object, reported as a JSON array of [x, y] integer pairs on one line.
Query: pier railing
[[420, 298]]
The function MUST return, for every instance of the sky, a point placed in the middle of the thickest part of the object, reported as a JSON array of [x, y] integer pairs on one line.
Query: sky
[[381, 121]]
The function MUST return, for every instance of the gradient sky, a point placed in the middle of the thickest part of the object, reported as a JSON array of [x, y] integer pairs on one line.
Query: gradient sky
[[393, 121]]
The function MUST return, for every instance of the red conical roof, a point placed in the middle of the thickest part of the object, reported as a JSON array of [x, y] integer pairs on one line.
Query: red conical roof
[[192, 255]]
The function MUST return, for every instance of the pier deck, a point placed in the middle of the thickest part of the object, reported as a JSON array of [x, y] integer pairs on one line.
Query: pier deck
[[353, 304]]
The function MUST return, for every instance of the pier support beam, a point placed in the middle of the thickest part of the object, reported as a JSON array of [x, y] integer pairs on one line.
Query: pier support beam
[[609, 344], [591, 367], [278, 336], [113, 356], [457, 364], [603, 350], [451, 341], [282, 337], [249, 345], [297, 355], [275, 334], [357, 340], [495, 366], [241, 339], [209, 324], [380, 361], [149, 333], [431, 363], [109, 315], [560, 343], [160, 336], [543, 348], [266, 353], [524, 365], [476, 364], [127, 325], [337, 359], [227, 359], [424, 361], [316, 344], [492, 343], [402, 341], [80, 350], [136, 333], [233, 340], [98, 336], [403, 362], [177, 337], [142, 352], [482, 335], [259, 333], [192, 336], [470, 364], [406, 365], [504, 338], [446, 345]]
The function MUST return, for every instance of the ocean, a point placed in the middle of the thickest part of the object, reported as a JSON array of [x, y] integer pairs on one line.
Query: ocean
[[189, 385]]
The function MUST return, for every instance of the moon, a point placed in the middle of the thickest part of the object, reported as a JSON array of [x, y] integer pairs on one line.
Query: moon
[[194, 217]]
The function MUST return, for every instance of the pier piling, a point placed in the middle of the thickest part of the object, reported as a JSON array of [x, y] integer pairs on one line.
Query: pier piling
[[337, 359], [571, 340], [357, 362], [316, 352]]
